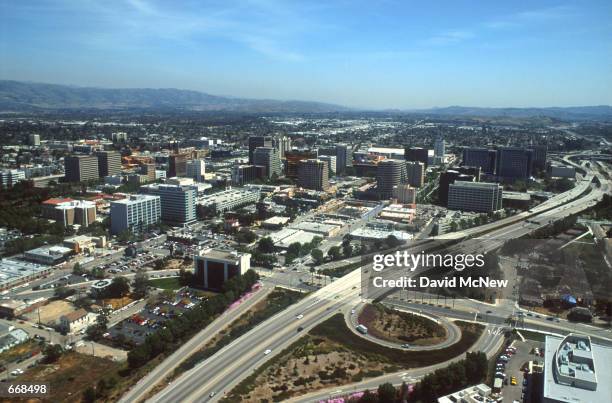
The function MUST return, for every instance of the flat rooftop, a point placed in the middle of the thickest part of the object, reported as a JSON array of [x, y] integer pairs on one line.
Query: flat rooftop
[[219, 254], [13, 269], [575, 366]]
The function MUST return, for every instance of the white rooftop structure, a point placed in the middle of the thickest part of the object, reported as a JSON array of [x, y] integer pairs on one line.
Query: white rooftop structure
[[576, 370]]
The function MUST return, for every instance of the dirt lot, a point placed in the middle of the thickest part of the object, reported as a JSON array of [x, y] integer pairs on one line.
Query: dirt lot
[[316, 364], [50, 313], [70, 375], [117, 303], [400, 327]]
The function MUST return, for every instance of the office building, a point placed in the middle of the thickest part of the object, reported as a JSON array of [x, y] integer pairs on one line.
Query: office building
[[81, 168], [34, 139], [148, 170], [135, 213], [178, 202], [109, 163], [514, 163], [576, 370], [389, 174], [10, 177], [196, 170], [284, 145], [313, 174], [243, 174], [259, 141], [415, 174], [69, 212], [343, 158], [38, 171], [268, 157], [405, 194], [331, 163], [213, 267], [467, 170], [439, 147], [177, 164], [446, 179], [480, 157], [475, 196], [293, 159], [417, 154], [48, 254], [119, 137], [539, 157]]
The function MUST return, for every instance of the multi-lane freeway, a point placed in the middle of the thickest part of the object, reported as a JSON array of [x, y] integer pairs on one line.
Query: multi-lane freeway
[[221, 372]]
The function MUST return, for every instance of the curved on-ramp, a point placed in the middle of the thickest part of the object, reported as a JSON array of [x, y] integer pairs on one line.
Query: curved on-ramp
[[453, 333]]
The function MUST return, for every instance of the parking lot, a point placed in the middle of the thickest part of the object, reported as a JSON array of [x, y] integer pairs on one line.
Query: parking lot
[[147, 321], [516, 384]]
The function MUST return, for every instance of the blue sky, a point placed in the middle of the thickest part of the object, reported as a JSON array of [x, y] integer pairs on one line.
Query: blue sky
[[375, 54]]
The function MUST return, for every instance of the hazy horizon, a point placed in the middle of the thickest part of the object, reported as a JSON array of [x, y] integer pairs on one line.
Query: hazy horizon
[[365, 55]]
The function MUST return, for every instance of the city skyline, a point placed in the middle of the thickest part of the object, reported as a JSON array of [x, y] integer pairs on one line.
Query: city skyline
[[370, 56]]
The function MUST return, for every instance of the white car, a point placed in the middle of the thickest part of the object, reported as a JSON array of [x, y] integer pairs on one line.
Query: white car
[[268, 351], [300, 316]]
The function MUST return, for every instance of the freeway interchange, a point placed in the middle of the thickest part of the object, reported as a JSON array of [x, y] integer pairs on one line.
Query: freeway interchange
[[217, 375]]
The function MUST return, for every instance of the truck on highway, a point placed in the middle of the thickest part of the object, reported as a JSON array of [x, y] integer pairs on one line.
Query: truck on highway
[[362, 329]]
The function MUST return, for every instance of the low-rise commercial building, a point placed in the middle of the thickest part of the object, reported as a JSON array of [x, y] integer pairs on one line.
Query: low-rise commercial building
[[77, 320], [48, 255], [576, 370], [229, 199]]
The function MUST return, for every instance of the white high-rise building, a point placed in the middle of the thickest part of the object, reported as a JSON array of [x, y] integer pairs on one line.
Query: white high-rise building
[[178, 202], [135, 213], [196, 169]]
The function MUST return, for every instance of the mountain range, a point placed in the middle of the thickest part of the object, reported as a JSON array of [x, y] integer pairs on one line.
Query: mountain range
[[19, 96]]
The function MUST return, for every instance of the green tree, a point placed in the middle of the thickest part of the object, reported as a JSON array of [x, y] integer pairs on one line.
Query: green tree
[[245, 236], [347, 249], [334, 253], [386, 393], [140, 285], [317, 256], [294, 249], [118, 288], [53, 352], [77, 269], [89, 396], [62, 292], [265, 245]]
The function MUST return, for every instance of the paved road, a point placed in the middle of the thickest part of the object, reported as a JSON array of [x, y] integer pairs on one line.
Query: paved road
[[241, 358], [452, 331], [489, 342], [159, 374]]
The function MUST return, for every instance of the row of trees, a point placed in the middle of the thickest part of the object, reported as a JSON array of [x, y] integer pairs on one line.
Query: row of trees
[[458, 375], [177, 329], [297, 249]]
